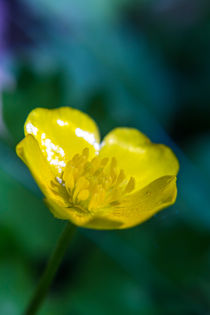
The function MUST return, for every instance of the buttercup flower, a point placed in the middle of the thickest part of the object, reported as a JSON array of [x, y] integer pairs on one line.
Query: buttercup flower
[[113, 185]]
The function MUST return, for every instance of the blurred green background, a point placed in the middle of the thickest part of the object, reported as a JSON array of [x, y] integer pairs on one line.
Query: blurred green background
[[142, 64]]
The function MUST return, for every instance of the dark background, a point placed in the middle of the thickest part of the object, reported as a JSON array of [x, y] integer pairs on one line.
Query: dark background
[[142, 64]]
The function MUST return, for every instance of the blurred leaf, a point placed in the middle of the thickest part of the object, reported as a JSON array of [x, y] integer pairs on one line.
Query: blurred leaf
[[198, 150], [104, 287], [15, 286]]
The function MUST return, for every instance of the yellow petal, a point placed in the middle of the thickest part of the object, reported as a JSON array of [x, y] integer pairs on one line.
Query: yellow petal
[[137, 207], [66, 213], [61, 133], [138, 156], [85, 220], [29, 152]]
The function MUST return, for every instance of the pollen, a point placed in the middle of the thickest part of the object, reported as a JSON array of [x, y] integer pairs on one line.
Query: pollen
[[93, 184]]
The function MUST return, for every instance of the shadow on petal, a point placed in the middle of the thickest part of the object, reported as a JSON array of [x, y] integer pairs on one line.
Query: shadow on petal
[[103, 224]]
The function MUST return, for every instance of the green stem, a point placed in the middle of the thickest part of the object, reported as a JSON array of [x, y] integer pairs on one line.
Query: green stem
[[51, 269]]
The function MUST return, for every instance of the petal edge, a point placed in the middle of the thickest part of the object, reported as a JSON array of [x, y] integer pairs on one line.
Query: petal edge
[[138, 156]]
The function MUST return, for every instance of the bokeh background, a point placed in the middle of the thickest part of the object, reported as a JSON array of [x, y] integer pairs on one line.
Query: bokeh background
[[142, 64]]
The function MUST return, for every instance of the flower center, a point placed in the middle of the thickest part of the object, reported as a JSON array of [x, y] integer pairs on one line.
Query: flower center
[[96, 183]]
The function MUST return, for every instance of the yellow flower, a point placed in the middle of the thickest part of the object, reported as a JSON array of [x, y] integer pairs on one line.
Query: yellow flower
[[113, 185]]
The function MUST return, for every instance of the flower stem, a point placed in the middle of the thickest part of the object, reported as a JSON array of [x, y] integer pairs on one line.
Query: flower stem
[[51, 269]]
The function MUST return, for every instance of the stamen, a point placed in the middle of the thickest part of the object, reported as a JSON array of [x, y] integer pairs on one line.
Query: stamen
[[130, 186], [97, 183], [83, 194], [121, 177], [85, 153]]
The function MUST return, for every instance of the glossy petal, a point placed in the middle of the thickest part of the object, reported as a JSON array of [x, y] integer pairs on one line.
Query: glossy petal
[[29, 152], [138, 156], [137, 207], [61, 133]]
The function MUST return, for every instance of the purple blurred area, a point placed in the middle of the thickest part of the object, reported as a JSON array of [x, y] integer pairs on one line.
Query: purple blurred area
[[3, 38], [3, 25], [19, 25]]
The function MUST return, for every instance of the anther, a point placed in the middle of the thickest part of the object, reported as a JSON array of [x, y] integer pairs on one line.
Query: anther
[[96, 183], [130, 186]]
